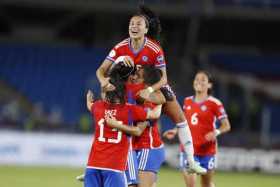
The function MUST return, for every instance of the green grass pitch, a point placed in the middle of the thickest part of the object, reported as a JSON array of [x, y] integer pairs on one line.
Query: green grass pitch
[[14, 176]]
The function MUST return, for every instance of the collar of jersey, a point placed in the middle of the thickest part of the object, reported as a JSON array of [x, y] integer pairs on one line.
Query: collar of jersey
[[133, 51]]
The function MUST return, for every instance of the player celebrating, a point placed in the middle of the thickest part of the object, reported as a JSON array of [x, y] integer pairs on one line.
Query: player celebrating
[[149, 146], [201, 111], [108, 155], [142, 48]]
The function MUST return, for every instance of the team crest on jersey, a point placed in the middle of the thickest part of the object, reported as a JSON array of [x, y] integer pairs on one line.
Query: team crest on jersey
[[203, 108], [112, 53], [145, 58], [160, 59]]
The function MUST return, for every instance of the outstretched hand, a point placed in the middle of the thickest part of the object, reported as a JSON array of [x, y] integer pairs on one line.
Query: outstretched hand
[[128, 61]]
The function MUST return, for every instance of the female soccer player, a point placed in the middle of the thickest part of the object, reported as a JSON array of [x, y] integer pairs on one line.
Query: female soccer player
[[149, 147], [201, 111], [108, 155], [142, 48]]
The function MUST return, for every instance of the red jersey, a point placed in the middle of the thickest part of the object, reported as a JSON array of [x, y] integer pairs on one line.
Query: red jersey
[[201, 118], [150, 138], [110, 147], [150, 53]]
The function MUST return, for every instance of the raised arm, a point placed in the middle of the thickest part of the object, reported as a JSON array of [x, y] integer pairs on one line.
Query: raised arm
[[162, 81], [102, 71]]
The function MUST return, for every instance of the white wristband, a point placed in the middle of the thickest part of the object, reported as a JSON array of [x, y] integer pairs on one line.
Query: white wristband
[[150, 89], [217, 132]]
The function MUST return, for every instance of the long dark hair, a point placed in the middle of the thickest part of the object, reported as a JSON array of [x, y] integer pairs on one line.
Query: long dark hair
[[117, 95], [151, 74], [152, 22], [121, 72]]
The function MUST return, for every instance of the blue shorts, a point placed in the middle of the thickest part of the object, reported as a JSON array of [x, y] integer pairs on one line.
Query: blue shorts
[[150, 159], [207, 162], [132, 168], [104, 178]]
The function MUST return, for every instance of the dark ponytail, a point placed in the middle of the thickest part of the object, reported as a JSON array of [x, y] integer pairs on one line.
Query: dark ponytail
[[154, 26], [118, 94]]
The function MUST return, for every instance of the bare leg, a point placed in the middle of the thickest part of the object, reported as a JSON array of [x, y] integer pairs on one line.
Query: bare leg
[[189, 179], [146, 179], [207, 180], [173, 110]]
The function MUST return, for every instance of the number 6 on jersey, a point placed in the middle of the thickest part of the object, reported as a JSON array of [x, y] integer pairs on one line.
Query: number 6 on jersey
[[194, 119]]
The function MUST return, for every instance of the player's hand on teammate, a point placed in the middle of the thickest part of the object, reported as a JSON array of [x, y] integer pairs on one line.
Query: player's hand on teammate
[[210, 136], [127, 61], [170, 134], [112, 122]]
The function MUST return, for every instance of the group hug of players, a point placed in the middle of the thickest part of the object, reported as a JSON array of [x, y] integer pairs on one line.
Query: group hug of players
[[127, 149]]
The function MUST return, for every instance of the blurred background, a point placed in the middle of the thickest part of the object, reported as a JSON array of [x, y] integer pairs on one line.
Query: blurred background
[[50, 50]]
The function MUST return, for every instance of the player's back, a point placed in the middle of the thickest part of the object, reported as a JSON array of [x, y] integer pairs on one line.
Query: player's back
[[110, 147]]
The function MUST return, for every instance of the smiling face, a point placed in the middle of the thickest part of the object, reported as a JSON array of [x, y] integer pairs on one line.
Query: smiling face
[[201, 83], [137, 27]]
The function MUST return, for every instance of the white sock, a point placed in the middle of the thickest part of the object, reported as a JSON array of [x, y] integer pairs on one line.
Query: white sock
[[185, 138]]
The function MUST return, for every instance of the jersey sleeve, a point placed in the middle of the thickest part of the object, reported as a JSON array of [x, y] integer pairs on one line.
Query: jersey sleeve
[[220, 111], [138, 113], [160, 59], [113, 54]]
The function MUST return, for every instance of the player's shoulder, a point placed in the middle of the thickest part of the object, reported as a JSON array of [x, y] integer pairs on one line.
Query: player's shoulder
[[122, 43], [214, 100], [153, 45]]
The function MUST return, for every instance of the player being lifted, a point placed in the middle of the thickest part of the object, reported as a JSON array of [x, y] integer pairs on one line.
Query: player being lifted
[[142, 47], [108, 155], [201, 111]]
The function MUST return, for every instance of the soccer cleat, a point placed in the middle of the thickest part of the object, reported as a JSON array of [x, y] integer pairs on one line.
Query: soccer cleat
[[80, 178], [196, 168]]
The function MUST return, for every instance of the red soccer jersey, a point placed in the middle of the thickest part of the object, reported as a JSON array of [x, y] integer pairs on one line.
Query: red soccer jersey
[[201, 118], [150, 138], [150, 53], [110, 147]]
